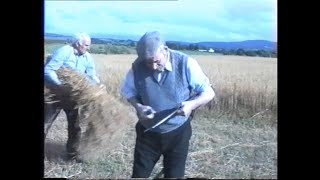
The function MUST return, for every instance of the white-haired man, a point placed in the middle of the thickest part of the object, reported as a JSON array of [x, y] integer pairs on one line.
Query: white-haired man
[[77, 57], [164, 86]]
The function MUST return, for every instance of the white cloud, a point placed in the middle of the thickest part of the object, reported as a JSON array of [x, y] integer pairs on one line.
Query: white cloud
[[214, 20]]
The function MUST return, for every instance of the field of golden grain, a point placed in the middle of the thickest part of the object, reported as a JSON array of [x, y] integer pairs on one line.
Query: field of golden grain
[[242, 83], [233, 137]]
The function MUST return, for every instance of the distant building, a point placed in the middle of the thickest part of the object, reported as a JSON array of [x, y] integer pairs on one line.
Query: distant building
[[202, 50], [211, 50]]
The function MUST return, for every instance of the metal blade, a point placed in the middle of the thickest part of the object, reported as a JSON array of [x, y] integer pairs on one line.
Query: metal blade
[[170, 115], [162, 121]]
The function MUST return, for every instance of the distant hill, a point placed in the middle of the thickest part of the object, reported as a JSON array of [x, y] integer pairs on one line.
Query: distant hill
[[58, 36], [246, 45], [94, 39]]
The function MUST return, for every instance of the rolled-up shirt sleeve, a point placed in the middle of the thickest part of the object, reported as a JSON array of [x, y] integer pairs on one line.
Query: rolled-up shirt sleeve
[[128, 88], [54, 63], [198, 81]]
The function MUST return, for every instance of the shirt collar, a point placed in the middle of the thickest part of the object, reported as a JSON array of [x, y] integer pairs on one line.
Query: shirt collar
[[76, 52], [168, 65]]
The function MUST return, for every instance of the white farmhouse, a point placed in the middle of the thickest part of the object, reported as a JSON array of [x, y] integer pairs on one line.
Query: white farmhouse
[[211, 50]]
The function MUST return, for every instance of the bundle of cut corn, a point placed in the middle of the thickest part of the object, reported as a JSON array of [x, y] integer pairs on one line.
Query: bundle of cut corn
[[103, 117]]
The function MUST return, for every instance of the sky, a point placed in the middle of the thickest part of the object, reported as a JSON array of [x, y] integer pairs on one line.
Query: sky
[[177, 20]]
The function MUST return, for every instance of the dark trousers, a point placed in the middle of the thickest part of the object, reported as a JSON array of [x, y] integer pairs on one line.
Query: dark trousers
[[150, 146], [74, 130]]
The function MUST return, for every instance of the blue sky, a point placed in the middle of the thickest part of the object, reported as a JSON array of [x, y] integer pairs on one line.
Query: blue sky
[[180, 20]]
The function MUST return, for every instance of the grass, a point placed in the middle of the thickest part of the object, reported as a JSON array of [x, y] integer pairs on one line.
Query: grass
[[219, 149], [233, 139]]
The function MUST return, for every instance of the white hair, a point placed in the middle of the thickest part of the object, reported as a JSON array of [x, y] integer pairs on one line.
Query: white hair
[[79, 37]]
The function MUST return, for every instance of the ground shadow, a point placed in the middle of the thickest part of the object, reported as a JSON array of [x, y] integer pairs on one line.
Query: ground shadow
[[55, 151]]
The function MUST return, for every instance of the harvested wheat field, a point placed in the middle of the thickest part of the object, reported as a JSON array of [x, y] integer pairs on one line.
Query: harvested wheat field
[[233, 138]]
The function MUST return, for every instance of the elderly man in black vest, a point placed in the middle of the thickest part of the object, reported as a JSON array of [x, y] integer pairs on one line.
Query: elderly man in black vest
[[164, 86]]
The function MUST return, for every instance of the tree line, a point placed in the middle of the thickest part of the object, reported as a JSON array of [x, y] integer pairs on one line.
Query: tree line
[[128, 47], [238, 52]]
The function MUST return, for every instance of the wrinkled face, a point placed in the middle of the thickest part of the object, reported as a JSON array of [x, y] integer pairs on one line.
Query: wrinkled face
[[84, 47], [158, 61]]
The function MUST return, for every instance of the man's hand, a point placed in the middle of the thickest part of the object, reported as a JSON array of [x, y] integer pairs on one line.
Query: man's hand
[[186, 108], [145, 112]]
